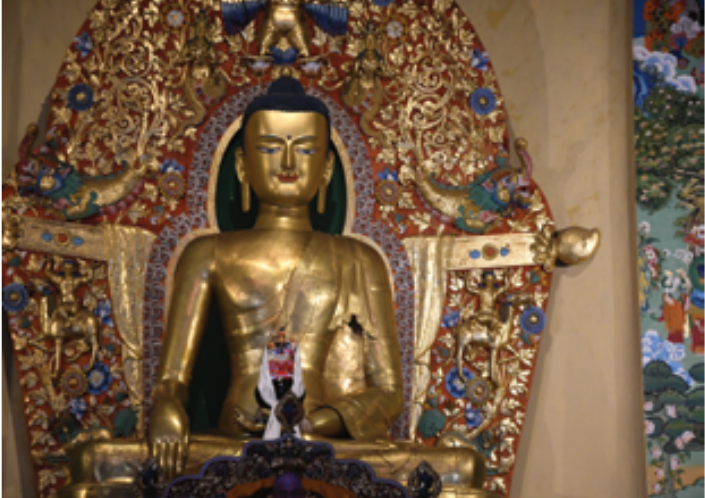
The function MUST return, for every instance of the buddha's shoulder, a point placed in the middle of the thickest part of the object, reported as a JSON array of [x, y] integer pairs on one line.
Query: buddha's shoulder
[[360, 251], [250, 241]]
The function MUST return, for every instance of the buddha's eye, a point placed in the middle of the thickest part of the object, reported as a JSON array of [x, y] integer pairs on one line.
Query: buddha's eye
[[306, 152], [268, 150]]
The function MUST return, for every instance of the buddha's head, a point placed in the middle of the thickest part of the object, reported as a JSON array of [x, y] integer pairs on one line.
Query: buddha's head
[[286, 157]]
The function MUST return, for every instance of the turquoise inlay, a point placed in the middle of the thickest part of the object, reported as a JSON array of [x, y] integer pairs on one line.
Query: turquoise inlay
[[475, 254], [46, 236], [77, 241], [504, 251]]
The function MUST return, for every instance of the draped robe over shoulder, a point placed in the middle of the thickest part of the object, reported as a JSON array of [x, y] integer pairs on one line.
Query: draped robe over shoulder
[[354, 370]]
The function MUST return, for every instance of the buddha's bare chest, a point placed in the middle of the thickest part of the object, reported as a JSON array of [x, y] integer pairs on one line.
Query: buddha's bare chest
[[254, 271]]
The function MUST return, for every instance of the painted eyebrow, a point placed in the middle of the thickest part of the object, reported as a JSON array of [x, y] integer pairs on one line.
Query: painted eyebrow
[[305, 138], [271, 137]]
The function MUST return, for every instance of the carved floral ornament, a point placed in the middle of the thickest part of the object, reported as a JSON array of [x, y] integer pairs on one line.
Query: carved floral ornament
[[118, 178]]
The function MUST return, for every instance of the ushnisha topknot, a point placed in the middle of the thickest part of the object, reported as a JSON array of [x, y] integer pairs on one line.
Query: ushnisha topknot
[[286, 94]]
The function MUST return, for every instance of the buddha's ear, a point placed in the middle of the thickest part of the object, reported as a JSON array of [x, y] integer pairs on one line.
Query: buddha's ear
[[240, 165], [330, 164], [244, 185]]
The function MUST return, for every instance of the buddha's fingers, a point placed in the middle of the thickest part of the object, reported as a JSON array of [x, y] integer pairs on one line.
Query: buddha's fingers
[[171, 451], [181, 454], [158, 451]]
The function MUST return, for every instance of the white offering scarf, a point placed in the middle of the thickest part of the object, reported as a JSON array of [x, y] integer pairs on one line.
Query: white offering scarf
[[266, 390]]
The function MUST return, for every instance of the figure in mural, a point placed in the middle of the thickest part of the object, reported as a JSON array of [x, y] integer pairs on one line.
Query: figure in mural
[[675, 304], [697, 303], [281, 273]]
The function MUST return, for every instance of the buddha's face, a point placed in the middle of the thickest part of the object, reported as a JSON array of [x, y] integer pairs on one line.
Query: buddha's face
[[286, 157]]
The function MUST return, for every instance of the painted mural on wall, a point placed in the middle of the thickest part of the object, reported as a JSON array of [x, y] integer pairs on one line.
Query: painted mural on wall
[[668, 128]]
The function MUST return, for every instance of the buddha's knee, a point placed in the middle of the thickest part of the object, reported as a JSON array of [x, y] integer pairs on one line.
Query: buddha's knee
[[82, 462], [471, 467], [106, 461]]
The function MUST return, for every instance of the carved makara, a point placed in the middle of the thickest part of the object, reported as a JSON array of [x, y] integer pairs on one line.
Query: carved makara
[[479, 206]]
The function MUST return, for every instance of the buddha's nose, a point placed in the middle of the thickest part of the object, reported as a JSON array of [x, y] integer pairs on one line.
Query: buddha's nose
[[289, 161]]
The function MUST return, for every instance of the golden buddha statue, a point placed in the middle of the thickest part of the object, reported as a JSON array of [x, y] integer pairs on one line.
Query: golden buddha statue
[[280, 274]]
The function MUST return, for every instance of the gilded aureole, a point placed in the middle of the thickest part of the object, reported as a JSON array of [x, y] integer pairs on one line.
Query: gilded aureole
[[325, 290]]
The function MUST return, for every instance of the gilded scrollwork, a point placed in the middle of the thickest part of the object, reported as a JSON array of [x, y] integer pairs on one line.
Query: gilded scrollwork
[[205, 82], [486, 371]]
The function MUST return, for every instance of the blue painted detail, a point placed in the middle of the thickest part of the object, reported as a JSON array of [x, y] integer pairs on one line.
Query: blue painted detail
[[504, 252], [532, 320], [330, 17], [77, 241], [282, 57], [237, 15], [483, 101], [80, 97], [15, 297], [46, 236], [475, 254]]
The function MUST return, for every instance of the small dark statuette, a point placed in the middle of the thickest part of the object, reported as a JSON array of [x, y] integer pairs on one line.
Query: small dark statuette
[[289, 412], [149, 480], [424, 482]]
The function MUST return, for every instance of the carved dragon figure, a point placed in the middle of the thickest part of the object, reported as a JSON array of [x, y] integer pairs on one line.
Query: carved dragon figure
[[480, 205], [72, 194], [204, 82]]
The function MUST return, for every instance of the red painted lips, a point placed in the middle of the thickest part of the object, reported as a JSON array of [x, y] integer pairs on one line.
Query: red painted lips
[[287, 178]]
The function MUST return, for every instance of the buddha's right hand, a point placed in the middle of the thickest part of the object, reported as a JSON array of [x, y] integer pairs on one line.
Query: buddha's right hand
[[169, 436]]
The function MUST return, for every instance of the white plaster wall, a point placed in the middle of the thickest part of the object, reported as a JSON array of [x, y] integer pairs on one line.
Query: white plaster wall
[[564, 68]]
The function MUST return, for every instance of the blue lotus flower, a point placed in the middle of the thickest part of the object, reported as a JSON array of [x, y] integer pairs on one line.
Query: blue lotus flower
[[451, 319], [84, 44], [169, 165], [99, 379], [14, 298], [78, 407], [454, 384], [104, 311], [532, 320], [483, 101], [282, 57], [387, 174], [473, 416], [479, 60], [80, 97]]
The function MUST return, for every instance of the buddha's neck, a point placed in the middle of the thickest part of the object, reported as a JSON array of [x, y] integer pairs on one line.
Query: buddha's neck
[[295, 218]]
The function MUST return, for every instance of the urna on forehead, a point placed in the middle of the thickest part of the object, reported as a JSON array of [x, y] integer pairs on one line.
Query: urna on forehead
[[286, 94]]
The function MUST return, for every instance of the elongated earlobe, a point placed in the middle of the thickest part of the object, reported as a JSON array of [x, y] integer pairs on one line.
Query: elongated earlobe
[[244, 184], [327, 175]]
